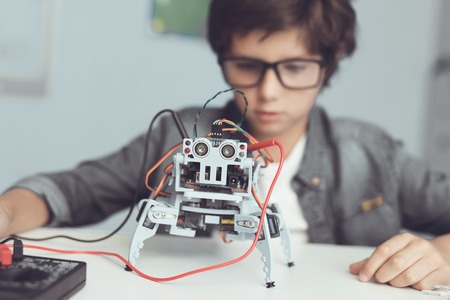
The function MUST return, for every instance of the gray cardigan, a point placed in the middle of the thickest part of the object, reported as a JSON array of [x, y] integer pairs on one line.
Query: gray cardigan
[[356, 185]]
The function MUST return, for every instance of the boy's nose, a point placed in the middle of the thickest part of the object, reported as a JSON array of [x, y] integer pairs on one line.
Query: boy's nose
[[270, 86]]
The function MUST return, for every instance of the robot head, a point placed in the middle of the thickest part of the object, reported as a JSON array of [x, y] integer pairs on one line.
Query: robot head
[[215, 162]]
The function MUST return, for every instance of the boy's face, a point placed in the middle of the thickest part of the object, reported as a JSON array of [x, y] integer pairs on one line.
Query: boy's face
[[274, 111]]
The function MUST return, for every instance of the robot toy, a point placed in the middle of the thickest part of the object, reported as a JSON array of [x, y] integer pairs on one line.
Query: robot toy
[[212, 181]]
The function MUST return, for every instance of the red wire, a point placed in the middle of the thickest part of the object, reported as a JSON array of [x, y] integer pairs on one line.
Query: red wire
[[196, 271]]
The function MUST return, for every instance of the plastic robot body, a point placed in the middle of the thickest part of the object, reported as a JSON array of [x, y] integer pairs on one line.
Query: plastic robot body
[[212, 183]]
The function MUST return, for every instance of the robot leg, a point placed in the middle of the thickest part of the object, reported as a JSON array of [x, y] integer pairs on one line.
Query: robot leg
[[284, 234], [264, 247]]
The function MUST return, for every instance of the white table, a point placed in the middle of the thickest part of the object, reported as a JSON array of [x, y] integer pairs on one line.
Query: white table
[[320, 271]]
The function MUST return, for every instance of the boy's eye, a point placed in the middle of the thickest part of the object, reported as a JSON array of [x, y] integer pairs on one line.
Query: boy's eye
[[247, 66], [294, 67]]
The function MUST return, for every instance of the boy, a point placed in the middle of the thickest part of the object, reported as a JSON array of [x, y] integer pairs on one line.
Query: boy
[[347, 182]]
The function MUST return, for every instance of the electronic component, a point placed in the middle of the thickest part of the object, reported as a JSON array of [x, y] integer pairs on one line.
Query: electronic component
[[36, 278], [212, 182], [439, 290]]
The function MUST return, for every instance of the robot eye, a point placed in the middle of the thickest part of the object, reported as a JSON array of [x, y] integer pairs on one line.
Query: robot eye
[[201, 149], [228, 151]]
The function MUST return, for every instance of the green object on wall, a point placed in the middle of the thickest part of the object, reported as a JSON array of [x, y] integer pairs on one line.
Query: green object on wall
[[187, 17]]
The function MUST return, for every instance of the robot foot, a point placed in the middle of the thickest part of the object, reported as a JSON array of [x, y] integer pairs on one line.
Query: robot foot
[[127, 268]]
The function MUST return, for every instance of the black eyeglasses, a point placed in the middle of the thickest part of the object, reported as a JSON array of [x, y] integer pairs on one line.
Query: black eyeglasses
[[296, 73]]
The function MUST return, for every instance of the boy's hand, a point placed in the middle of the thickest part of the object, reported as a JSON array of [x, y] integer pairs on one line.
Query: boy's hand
[[20, 210], [407, 260]]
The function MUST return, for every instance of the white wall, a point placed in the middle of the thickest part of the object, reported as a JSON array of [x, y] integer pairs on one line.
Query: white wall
[[387, 80], [110, 75]]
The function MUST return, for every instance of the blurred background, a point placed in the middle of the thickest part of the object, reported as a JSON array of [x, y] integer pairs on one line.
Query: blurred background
[[79, 79]]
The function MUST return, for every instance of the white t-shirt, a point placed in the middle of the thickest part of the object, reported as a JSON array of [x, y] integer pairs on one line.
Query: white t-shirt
[[283, 193]]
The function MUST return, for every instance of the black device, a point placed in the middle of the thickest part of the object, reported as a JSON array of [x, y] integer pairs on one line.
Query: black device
[[36, 278]]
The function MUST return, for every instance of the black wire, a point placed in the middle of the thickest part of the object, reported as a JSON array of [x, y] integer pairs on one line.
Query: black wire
[[212, 98], [138, 183], [8, 239]]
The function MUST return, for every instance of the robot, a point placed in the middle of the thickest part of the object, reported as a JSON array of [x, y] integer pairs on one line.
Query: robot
[[212, 181]]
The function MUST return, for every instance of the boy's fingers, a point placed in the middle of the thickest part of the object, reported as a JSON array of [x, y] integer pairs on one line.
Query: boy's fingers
[[414, 274], [407, 261], [356, 267], [382, 253]]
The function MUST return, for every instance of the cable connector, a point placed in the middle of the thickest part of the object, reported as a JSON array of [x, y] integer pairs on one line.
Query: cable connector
[[17, 253], [216, 131]]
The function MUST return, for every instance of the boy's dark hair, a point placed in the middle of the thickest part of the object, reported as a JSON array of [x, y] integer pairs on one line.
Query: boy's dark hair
[[329, 25]]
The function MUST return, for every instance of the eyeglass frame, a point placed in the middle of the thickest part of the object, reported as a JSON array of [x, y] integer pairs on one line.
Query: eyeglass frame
[[274, 66]]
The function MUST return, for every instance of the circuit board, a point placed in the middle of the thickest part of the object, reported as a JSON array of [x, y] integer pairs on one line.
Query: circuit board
[[37, 278]]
